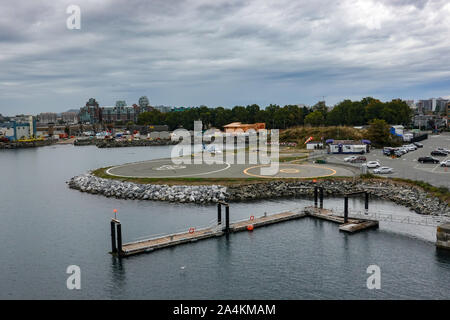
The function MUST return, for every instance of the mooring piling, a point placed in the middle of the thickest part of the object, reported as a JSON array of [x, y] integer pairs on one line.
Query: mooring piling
[[119, 238], [227, 219], [346, 209], [366, 201], [321, 197], [315, 196], [113, 237], [219, 213]]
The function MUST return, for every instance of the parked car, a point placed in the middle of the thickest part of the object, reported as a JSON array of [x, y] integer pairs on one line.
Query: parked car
[[348, 159], [443, 150], [428, 160], [383, 170], [398, 153], [445, 163], [410, 147], [373, 164], [438, 153], [418, 144], [358, 159], [388, 151]]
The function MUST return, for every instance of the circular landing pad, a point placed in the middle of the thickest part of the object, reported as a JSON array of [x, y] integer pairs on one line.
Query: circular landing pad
[[165, 169]]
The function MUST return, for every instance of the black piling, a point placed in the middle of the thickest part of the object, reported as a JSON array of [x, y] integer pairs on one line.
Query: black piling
[[321, 197], [113, 237], [219, 213], [227, 219], [366, 202], [315, 196], [345, 209], [119, 238]]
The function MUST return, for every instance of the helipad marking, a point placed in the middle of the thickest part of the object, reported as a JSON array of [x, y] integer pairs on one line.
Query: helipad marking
[[259, 176], [159, 160], [289, 170]]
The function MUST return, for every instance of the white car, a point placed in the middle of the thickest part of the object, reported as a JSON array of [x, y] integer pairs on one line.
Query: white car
[[445, 163], [443, 150], [383, 170], [373, 164], [411, 147], [348, 159]]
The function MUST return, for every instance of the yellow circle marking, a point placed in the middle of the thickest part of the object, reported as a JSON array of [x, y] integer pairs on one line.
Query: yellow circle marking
[[289, 170], [333, 172]]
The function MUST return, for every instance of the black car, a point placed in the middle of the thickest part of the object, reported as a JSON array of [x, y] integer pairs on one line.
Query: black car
[[428, 160], [438, 153], [418, 144]]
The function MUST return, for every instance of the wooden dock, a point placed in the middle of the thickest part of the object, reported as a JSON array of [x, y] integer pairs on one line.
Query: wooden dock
[[193, 235], [351, 226], [220, 228]]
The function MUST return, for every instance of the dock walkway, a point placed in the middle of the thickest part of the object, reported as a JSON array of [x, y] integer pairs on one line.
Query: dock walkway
[[193, 235]]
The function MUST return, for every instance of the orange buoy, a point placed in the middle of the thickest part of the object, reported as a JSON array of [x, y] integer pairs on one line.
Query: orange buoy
[[250, 227], [314, 180]]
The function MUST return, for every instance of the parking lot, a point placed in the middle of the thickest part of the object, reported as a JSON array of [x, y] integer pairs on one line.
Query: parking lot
[[407, 165]]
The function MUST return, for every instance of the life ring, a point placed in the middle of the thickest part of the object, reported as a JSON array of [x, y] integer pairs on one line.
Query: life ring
[[252, 218], [191, 230]]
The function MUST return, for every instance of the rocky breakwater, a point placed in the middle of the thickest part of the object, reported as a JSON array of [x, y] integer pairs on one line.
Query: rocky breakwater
[[407, 195], [128, 190]]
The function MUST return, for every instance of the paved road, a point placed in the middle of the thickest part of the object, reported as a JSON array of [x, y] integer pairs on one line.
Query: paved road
[[408, 167]]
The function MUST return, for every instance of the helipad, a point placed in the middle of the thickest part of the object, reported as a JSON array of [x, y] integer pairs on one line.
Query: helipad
[[165, 168]]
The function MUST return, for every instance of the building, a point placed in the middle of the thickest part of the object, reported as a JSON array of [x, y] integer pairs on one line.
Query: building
[[441, 105], [397, 130], [91, 113], [69, 117], [347, 146], [314, 145], [124, 114], [47, 117], [18, 128], [163, 108], [143, 102], [180, 109], [432, 105], [239, 127]]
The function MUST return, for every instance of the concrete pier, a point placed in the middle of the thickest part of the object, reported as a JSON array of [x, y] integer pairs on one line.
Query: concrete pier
[[443, 236]]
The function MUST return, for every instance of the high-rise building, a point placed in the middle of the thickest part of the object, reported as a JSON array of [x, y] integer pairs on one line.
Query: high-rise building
[[91, 113]]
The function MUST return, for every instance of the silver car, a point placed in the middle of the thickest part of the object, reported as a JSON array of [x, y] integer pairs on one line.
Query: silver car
[[445, 163], [382, 170]]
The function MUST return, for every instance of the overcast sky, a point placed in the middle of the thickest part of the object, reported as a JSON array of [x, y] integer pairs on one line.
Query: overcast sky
[[221, 53]]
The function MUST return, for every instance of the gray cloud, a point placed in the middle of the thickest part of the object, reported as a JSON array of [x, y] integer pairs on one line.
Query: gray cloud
[[196, 52]]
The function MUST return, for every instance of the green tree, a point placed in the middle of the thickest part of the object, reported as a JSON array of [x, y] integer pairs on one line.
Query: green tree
[[315, 118], [378, 132]]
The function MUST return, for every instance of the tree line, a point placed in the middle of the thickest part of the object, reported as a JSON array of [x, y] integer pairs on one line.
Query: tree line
[[347, 112]]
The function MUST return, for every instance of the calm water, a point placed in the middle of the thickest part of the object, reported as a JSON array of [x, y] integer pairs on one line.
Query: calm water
[[46, 226]]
